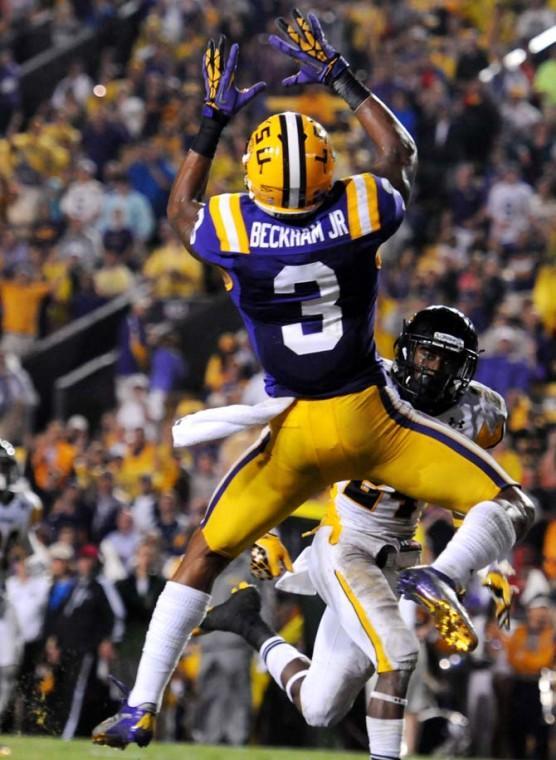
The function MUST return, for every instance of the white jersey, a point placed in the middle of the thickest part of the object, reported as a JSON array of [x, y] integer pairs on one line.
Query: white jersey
[[18, 512], [377, 510]]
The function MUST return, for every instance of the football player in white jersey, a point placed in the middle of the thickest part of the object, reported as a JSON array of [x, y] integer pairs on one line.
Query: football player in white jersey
[[365, 541], [19, 509]]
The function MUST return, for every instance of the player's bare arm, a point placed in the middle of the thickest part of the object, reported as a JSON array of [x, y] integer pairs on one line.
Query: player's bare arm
[[222, 100], [319, 63]]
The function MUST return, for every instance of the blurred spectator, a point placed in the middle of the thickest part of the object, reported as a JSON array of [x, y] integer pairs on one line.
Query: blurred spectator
[[28, 593], [508, 207], [472, 58], [102, 138], [499, 370], [167, 374], [21, 301], [134, 411], [76, 86], [137, 212], [139, 592], [118, 238], [133, 354], [143, 506], [80, 245], [171, 525], [171, 271], [530, 648], [222, 367], [52, 458], [204, 477], [152, 176], [107, 506], [223, 709], [139, 459], [534, 19], [123, 540], [545, 78], [114, 277], [84, 197], [17, 399], [79, 632]]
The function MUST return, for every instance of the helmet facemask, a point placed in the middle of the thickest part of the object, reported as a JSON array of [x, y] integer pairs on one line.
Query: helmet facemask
[[431, 375], [435, 358]]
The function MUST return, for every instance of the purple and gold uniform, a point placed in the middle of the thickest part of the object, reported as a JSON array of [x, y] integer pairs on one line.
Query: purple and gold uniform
[[306, 291]]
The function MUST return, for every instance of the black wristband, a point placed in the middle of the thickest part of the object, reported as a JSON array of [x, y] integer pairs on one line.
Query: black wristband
[[207, 138], [348, 87]]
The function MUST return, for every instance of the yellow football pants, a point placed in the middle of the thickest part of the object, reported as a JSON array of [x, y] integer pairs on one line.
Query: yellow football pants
[[370, 435]]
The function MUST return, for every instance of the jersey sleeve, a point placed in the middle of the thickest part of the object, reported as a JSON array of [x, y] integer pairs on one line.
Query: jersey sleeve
[[374, 207], [220, 230]]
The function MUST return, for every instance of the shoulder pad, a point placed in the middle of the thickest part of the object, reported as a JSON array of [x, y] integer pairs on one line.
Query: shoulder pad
[[492, 414]]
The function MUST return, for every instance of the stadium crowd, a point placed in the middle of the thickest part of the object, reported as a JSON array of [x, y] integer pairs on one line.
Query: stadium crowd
[[84, 183]]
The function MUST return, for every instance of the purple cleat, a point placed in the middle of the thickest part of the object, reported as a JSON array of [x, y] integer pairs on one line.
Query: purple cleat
[[130, 724], [433, 590]]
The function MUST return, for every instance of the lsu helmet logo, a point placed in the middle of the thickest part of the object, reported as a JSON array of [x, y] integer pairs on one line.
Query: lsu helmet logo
[[289, 164]]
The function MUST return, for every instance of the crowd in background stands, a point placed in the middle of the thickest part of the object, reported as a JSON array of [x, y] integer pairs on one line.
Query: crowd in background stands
[[83, 188]]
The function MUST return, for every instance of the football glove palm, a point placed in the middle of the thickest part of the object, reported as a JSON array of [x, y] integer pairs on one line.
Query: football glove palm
[[319, 62], [498, 583], [269, 558], [222, 98]]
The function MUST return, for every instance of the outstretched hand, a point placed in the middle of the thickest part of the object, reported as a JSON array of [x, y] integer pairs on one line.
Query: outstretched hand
[[222, 98], [319, 62]]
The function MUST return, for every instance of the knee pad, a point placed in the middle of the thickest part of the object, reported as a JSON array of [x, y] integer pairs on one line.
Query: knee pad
[[321, 710], [403, 652]]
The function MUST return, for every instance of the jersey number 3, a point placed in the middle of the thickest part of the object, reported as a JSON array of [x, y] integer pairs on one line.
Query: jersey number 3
[[325, 307]]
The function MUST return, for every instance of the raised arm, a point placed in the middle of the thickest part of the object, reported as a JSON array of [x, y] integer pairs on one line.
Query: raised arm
[[395, 152], [222, 101]]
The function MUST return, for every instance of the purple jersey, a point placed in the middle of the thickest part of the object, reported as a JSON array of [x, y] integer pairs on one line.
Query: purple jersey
[[306, 290]]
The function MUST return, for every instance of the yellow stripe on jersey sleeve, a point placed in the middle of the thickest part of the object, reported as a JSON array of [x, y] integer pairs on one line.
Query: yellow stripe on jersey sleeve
[[225, 211], [372, 196], [362, 205]]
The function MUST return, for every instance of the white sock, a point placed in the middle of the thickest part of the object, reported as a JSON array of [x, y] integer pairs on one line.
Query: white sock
[[486, 535], [385, 738], [178, 610], [276, 654]]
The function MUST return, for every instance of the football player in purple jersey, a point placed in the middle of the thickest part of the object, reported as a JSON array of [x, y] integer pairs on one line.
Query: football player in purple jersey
[[298, 252]]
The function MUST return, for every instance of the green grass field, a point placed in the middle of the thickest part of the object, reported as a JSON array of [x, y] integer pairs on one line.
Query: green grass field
[[25, 748]]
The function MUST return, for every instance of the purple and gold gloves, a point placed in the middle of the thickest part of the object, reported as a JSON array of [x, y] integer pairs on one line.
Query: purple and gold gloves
[[319, 62], [222, 97]]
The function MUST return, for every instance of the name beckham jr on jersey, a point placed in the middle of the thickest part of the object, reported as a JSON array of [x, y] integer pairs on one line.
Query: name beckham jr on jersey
[[268, 235]]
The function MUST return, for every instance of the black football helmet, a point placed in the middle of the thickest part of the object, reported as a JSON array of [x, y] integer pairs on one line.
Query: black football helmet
[[9, 469], [451, 336]]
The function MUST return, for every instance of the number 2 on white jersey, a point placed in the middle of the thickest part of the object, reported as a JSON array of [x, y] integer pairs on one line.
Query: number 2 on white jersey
[[325, 306]]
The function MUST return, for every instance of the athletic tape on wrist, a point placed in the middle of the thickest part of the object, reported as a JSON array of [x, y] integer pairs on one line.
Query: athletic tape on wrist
[[292, 681], [388, 698], [348, 87], [207, 138]]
